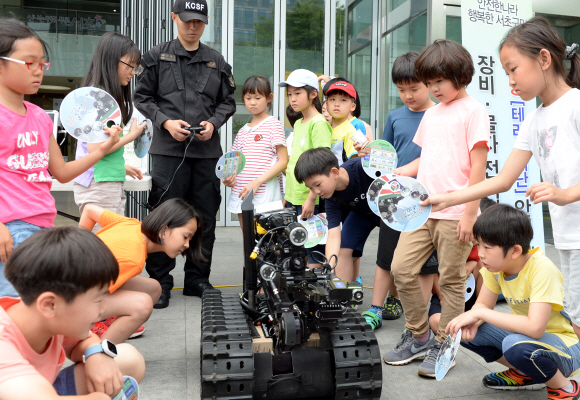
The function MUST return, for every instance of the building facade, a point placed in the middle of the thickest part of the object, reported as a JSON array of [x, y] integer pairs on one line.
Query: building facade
[[356, 39]]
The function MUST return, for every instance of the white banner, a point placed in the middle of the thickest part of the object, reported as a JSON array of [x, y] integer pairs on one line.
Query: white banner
[[483, 25]]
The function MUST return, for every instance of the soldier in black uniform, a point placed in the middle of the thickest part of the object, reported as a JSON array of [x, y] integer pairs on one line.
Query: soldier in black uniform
[[185, 83]]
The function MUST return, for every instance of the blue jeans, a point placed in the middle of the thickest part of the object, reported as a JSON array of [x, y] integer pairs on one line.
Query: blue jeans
[[20, 231], [539, 359]]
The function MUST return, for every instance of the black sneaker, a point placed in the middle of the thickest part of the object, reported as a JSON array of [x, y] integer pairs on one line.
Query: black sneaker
[[197, 290], [393, 309]]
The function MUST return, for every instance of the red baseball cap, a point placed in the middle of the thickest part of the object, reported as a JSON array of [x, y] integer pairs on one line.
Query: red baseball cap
[[343, 86]]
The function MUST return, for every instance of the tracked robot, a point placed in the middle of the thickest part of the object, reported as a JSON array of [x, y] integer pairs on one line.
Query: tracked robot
[[293, 333]]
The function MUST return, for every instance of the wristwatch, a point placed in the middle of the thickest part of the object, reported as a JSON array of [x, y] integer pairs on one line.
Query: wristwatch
[[105, 346]]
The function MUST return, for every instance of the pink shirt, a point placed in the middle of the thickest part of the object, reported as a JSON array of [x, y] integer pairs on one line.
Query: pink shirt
[[447, 134], [19, 359], [258, 144], [24, 178]]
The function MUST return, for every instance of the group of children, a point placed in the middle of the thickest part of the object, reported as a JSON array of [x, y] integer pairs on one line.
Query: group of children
[[539, 343], [66, 292], [444, 145]]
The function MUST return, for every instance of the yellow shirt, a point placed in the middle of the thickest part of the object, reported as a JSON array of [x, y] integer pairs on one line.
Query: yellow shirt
[[343, 132], [539, 281]]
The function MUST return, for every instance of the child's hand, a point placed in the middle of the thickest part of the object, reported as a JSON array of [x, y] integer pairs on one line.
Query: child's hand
[[103, 375], [468, 332], [465, 228], [465, 320], [361, 152], [437, 202], [114, 132], [545, 191], [469, 267], [323, 79], [307, 209], [133, 172], [230, 181], [255, 185], [136, 129], [6, 243]]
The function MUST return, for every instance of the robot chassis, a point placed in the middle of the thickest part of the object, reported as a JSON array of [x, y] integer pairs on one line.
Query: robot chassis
[[292, 334]]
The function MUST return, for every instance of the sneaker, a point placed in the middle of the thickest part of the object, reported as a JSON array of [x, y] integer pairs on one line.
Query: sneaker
[[138, 332], [359, 280], [511, 380], [427, 367], [559, 394], [393, 309], [99, 329], [373, 319], [408, 349]]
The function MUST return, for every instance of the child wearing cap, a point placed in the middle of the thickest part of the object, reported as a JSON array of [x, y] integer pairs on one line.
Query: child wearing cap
[[341, 101], [310, 131]]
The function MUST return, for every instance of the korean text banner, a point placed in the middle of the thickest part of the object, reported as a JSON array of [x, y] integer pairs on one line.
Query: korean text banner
[[483, 25]]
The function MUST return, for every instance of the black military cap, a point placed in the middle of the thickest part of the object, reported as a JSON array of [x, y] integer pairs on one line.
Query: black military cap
[[189, 10]]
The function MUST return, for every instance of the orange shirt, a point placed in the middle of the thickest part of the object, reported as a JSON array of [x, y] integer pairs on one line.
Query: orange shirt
[[123, 237], [19, 359]]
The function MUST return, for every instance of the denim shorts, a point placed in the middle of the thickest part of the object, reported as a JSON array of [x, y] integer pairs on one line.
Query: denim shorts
[[20, 231], [65, 382]]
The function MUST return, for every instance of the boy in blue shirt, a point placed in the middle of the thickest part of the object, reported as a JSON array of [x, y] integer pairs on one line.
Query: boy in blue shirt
[[536, 342], [400, 130], [344, 189]]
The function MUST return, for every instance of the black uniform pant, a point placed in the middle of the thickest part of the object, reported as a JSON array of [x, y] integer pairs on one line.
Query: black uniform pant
[[196, 183]]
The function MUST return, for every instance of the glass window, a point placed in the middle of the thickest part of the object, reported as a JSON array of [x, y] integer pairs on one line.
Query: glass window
[[411, 36], [394, 4], [304, 35], [453, 28], [253, 54]]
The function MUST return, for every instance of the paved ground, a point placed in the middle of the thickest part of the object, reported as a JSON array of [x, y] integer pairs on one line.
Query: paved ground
[[170, 344]]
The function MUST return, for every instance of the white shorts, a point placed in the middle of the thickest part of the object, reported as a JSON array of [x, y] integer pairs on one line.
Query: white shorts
[[570, 265], [272, 193]]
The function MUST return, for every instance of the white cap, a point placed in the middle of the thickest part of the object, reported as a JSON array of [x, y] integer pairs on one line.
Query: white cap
[[300, 78]]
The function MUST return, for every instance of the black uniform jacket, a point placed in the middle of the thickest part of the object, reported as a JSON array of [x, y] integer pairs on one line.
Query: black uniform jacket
[[173, 85]]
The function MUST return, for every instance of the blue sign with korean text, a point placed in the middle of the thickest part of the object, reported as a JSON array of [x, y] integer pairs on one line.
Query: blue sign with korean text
[[491, 19]]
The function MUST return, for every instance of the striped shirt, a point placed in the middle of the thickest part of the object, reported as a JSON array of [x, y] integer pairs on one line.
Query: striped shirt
[[258, 144]]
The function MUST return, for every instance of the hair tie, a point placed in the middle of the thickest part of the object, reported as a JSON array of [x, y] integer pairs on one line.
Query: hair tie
[[571, 51]]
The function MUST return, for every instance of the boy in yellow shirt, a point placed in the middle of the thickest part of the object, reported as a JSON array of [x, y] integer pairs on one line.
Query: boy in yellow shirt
[[341, 101], [536, 342]]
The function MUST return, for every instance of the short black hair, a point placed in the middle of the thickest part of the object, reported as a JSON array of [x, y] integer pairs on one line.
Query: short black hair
[[404, 69], [318, 161], [12, 30], [445, 59], [175, 213], [485, 203], [502, 225], [67, 261], [293, 115], [258, 84]]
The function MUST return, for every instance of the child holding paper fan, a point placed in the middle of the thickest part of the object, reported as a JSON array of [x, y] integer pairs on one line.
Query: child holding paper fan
[[453, 137], [28, 150], [115, 61], [263, 143]]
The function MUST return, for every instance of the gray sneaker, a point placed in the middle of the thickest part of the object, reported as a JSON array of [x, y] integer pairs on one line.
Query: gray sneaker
[[408, 349], [427, 367]]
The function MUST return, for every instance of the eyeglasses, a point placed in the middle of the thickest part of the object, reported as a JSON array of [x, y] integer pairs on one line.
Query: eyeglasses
[[137, 70], [32, 65]]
